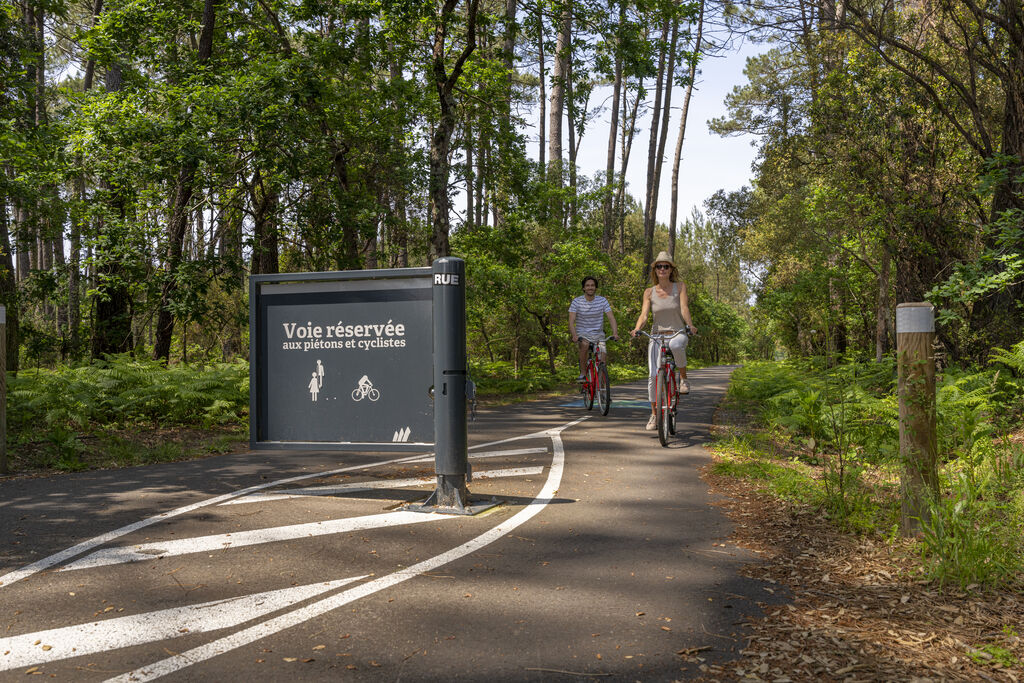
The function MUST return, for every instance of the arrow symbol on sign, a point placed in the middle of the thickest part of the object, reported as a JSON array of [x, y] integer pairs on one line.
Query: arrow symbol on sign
[[41, 647]]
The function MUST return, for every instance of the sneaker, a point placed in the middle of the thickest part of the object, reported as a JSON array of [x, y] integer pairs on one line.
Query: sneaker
[[684, 387], [579, 380], [652, 423]]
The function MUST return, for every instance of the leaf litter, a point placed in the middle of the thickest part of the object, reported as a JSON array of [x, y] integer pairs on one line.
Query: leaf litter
[[854, 611]]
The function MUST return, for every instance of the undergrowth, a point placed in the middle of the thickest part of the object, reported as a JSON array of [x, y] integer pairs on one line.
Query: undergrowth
[[829, 437], [52, 414]]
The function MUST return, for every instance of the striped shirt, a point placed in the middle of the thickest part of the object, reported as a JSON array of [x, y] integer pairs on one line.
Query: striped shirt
[[590, 315]]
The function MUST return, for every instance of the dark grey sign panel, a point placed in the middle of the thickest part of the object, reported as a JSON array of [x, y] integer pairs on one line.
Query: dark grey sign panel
[[342, 360]]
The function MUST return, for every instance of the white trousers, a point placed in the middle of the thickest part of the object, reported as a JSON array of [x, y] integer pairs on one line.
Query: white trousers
[[677, 345]]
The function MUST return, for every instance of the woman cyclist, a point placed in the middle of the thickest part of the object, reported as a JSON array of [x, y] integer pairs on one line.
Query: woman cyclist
[[667, 300]]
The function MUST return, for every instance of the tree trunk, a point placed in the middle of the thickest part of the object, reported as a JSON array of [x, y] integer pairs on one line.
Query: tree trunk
[[90, 62], [882, 309], [112, 327], [654, 174], [440, 140], [470, 186], [178, 222], [691, 77], [613, 129], [652, 151], [78, 222], [628, 130], [482, 190], [542, 99], [556, 111], [500, 194], [570, 128], [8, 290], [264, 198]]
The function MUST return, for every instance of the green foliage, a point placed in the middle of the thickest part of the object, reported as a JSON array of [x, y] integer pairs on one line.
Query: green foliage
[[967, 539], [845, 417], [120, 391], [741, 457], [63, 450], [998, 268]]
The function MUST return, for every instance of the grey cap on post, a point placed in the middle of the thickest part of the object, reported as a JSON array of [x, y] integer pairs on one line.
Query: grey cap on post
[[915, 317]]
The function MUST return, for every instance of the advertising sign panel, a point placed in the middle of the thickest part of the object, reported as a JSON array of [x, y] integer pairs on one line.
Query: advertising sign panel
[[341, 360]]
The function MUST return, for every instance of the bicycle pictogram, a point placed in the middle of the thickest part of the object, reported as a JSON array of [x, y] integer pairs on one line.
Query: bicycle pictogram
[[365, 390]]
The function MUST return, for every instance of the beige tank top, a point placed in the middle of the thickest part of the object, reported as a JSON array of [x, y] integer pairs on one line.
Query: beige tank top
[[667, 316]]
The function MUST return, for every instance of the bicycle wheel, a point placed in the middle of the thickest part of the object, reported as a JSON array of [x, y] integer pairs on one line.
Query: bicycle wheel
[[673, 405], [589, 386], [661, 407], [604, 389]]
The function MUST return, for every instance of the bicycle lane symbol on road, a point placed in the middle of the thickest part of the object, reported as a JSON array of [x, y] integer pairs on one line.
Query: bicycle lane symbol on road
[[112, 634]]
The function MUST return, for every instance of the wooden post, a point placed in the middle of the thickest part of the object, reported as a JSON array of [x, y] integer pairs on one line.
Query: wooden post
[[919, 481], [3, 389]]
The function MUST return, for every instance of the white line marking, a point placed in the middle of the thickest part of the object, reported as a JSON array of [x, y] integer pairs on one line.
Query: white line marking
[[491, 454], [356, 487], [298, 616], [238, 539], [85, 546], [100, 636]]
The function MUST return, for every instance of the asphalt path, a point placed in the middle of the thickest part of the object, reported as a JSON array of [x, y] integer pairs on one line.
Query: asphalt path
[[604, 560]]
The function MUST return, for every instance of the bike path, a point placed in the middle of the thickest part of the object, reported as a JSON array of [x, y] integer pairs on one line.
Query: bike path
[[606, 560]]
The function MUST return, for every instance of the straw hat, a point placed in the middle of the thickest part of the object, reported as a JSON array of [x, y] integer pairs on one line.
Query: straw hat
[[663, 257]]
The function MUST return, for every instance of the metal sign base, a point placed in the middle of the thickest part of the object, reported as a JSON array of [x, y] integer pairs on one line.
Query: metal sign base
[[474, 507], [451, 497]]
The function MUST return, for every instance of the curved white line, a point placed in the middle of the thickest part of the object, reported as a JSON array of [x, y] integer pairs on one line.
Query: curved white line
[[85, 546], [295, 617]]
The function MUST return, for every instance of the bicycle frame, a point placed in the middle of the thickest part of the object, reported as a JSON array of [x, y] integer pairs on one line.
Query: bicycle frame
[[666, 415], [666, 361], [595, 378]]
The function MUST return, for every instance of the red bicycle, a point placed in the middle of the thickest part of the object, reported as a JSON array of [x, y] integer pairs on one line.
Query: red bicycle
[[595, 379], [666, 400]]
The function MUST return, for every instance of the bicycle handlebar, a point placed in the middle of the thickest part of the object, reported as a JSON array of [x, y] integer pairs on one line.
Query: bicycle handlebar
[[665, 337]]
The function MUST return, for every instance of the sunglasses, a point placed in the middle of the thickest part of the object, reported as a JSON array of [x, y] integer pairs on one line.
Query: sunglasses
[[662, 267]]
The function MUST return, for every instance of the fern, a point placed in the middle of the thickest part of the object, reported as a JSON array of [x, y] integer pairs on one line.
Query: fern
[[1012, 359], [120, 391]]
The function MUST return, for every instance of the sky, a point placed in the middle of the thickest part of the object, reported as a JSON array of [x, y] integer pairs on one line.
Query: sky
[[709, 162]]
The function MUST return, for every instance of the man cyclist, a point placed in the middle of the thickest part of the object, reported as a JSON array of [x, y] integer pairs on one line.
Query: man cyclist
[[586, 319]]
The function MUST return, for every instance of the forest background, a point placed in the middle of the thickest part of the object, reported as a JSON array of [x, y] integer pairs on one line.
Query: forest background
[[153, 155], [156, 154]]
